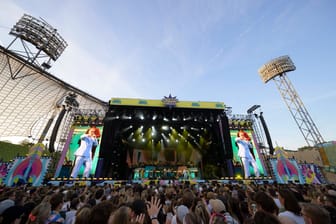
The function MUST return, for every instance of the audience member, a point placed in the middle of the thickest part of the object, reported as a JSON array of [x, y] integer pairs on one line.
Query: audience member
[[314, 214], [40, 214], [292, 208]]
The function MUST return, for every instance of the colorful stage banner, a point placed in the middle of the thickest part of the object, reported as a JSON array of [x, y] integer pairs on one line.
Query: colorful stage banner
[[30, 169], [16, 176], [286, 171], [4, 168], [312, 174]]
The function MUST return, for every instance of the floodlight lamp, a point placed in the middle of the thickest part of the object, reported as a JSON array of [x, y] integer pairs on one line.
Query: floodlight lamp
[[40, 34], [276, 67]]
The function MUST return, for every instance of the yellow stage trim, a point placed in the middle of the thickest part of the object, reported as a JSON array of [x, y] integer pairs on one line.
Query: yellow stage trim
[[159, 103]]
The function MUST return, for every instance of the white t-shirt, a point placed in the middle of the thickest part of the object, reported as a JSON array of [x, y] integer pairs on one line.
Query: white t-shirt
[[277, 202], [296, 218]]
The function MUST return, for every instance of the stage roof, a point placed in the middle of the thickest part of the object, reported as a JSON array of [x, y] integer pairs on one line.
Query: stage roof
[[166, 102], [31, 96]]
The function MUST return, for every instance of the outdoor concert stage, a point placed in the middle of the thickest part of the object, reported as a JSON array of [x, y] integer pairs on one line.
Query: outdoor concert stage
[[160, 139]]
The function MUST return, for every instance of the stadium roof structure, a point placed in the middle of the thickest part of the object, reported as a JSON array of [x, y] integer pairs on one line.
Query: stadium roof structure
[[34, 97]]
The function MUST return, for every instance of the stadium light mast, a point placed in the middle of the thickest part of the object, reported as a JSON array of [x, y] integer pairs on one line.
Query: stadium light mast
[[276, 70], [37, 32]]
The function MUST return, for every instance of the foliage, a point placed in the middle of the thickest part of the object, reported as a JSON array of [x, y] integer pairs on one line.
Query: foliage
[[9, 151]]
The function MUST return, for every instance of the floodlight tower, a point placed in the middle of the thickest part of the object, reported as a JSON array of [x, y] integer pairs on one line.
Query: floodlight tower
[[37, 32], [276, 69]]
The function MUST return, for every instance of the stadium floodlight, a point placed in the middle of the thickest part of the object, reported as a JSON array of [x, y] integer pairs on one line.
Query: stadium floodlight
[[276, 67], [42, 35], [276, 70]]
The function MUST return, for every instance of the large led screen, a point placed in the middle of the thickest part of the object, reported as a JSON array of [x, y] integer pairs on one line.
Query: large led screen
[[75, 141], [237, 160]]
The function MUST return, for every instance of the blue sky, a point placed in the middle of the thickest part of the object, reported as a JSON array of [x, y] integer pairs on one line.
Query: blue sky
[[196, 50]]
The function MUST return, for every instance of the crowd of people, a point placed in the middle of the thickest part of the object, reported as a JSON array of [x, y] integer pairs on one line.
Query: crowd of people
[[203, 203]]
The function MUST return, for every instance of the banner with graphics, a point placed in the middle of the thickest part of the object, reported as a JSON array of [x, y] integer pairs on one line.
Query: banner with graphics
[[4, 168], [312, 174], [286, 171], [30, 169]]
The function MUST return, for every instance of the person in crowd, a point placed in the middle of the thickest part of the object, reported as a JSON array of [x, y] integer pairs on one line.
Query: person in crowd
[[40, 214], [56, 202], [12, 215], [219, 212], [314, 214], [122, 216], [101, 212], [262, 217], [70, 215], [275, 197], [181, 212], [83, 214], [138, 207], [28, 207], [68, 195], [330, 203], [99, 195], [84, 153], [201, 211], [243, 142], [232, 207], [292, 208], [9, 201], [266, 203], [192, 218]]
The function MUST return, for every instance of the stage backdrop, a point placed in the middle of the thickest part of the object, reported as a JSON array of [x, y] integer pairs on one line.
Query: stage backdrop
[[236, 159], [74, 144]]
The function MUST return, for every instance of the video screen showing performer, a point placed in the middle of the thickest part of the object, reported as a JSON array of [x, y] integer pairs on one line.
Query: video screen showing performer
[[83, 151], [245, 153]]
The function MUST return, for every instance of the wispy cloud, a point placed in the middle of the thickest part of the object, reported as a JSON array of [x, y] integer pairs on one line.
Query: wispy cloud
[[325, 96]]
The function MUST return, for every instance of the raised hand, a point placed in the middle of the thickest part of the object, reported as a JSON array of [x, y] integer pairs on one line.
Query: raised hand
[[153, 207], [139, 219]]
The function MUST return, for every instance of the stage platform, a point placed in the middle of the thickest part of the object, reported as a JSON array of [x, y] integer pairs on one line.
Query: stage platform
[[105, 181]]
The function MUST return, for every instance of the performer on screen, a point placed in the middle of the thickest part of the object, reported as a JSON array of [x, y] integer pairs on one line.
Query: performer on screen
[[85, 152], [243, 141]]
